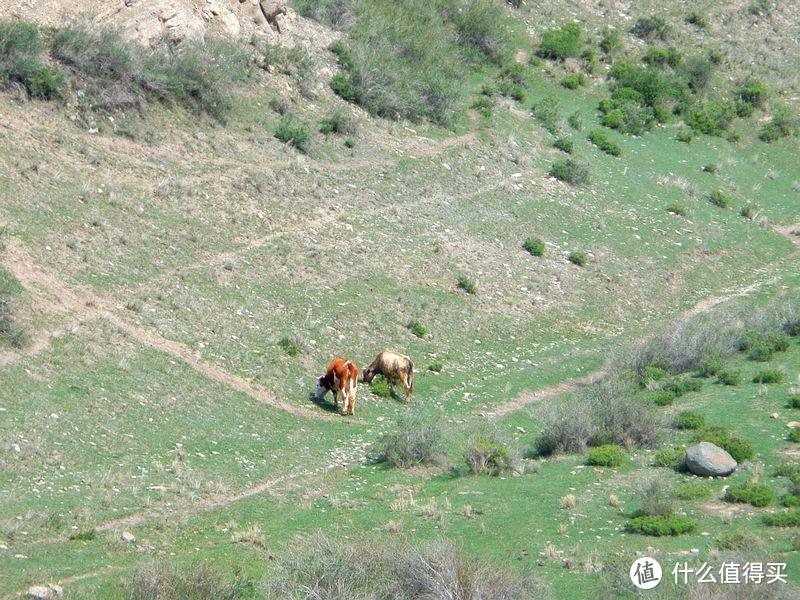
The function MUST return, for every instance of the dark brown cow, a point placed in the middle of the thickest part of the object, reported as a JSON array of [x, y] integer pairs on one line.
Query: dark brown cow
[[394, 367], [341, 377]]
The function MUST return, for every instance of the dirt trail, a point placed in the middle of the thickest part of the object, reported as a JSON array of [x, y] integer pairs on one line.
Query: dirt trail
[[60, 298], [790, 232]]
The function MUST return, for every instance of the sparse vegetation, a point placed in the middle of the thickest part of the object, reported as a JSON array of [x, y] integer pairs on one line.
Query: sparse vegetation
[[564, 144], [467, 284], [289, 346], [609, 455], [534, 246], [570, 171], [757, 495], [768, 376], [339, 122], [416, 440], [650, 28], [690, 419], [161, 580], [489, 454], [720, 199], [600, 139], [578, 258], [417, 328], [561, 43], [293, 132]]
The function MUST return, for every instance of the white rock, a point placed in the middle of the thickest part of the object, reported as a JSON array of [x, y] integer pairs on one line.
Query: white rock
[[128, 537]]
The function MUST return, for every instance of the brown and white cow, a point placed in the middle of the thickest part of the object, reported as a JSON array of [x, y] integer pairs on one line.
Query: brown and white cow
[[341, 377], [394, 367]]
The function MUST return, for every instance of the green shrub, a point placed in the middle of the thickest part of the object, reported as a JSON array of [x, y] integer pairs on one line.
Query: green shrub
[[794, 435], [488, 454], [20, 61], [649, 374], [791, 501], [794, 401], [609, 455], [570, 171], [647, 85], [697, 18], [663, 57], [611, 40], [600, 139], [417, 439], [10, 331], [574, 81], [711, 118], [436, 366], [657, 525], [694, 491], [783, 124], [293, 132], [787, 519], [710, 168], [578, 258], [338, 121], [697, 71], [739, 448], [649, 28], [546, 112], [663, 397], [682, 385], [83, 536], [719, 198], [480, 25], [739, 540], [756, 495], [768, 376], [748, 212], [761, 346], [535, 246], [711, 365], [161, 580], [677, 209], [760, 8], [289, 346], [380, 387], [674, 458], [690, 419], [575, 121], [563, 144], [417, 328], [729, 377], [467, 284], [561, 43], [484, 105], [684, 135]]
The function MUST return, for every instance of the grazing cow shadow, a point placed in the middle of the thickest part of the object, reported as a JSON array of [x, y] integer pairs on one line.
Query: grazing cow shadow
[[323, 404]]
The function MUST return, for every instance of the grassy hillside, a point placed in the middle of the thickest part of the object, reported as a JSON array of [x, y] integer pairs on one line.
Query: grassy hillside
[[190, 233]]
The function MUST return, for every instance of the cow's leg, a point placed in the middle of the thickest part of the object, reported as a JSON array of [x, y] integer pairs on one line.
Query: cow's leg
[[406, 385], [346, 404], [352, 401]]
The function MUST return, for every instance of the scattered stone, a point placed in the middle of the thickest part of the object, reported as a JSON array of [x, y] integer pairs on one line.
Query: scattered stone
[[128, 537], [774, 416], [793, 424], [45, 592], [709, 460]]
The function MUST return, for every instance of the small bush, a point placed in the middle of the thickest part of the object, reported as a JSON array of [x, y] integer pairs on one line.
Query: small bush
[[611, 40], [783, 124], [484, 105], [535, 246], [575, 81], [10, 332], [760, 8], [729, 377], [787, 519], [600, 139], [663, 57], [467, 284], [739, 540], [682, 385], [794, 435], [711, 365], [380, 387], [674, 458], [563, 144], [293, 132], [660, 526], [609, 455], [748, 212], [739, 448], [162, 581], [649, 28], [678, 210], [561, 43], [83, 536], [685, 136], [436, 366], [712, 118], [768, 376], [694, 491], [417, 328], [289, 346], [663, 397], [575, 121], [794, 401], [578, 258], [719, 198], [417, 439], [338, 121], [546, 112], [648, 375], [488, 454], [690, 419], [710, 168], [480, 25], [570, 171], [697, 18], [756, 495]]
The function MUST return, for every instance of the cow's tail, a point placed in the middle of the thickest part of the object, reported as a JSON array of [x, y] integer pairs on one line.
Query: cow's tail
[[410, 377]]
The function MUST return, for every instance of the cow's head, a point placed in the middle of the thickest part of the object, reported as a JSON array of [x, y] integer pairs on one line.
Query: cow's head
[[367, 375], [322, 388]]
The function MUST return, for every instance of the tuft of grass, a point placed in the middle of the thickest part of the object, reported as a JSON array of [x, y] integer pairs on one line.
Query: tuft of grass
[[380, 387], [674, 458], [794, 401], [609, 455], [690, 419], [698, 19], [559, 44], [659, 526], [417, 328], [694, 491], [570, 171], [578, 258], [769, 376], [730, 377], [467, 284], [720, 199], [489, 454], [83, 536], [663, 397], [417, 439], [535, 246], [161, 580], [600, 139], [546, 112], [436, 366], [710, 168], [289, 346], [787, 519], [794, 435], [574, 81], [650, 28], [677, 209], [564, 144], [755, 495], [711, 365], [338, 121]]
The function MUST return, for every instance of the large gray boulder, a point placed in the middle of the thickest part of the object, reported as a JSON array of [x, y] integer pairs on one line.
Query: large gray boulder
[[709, 460]]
